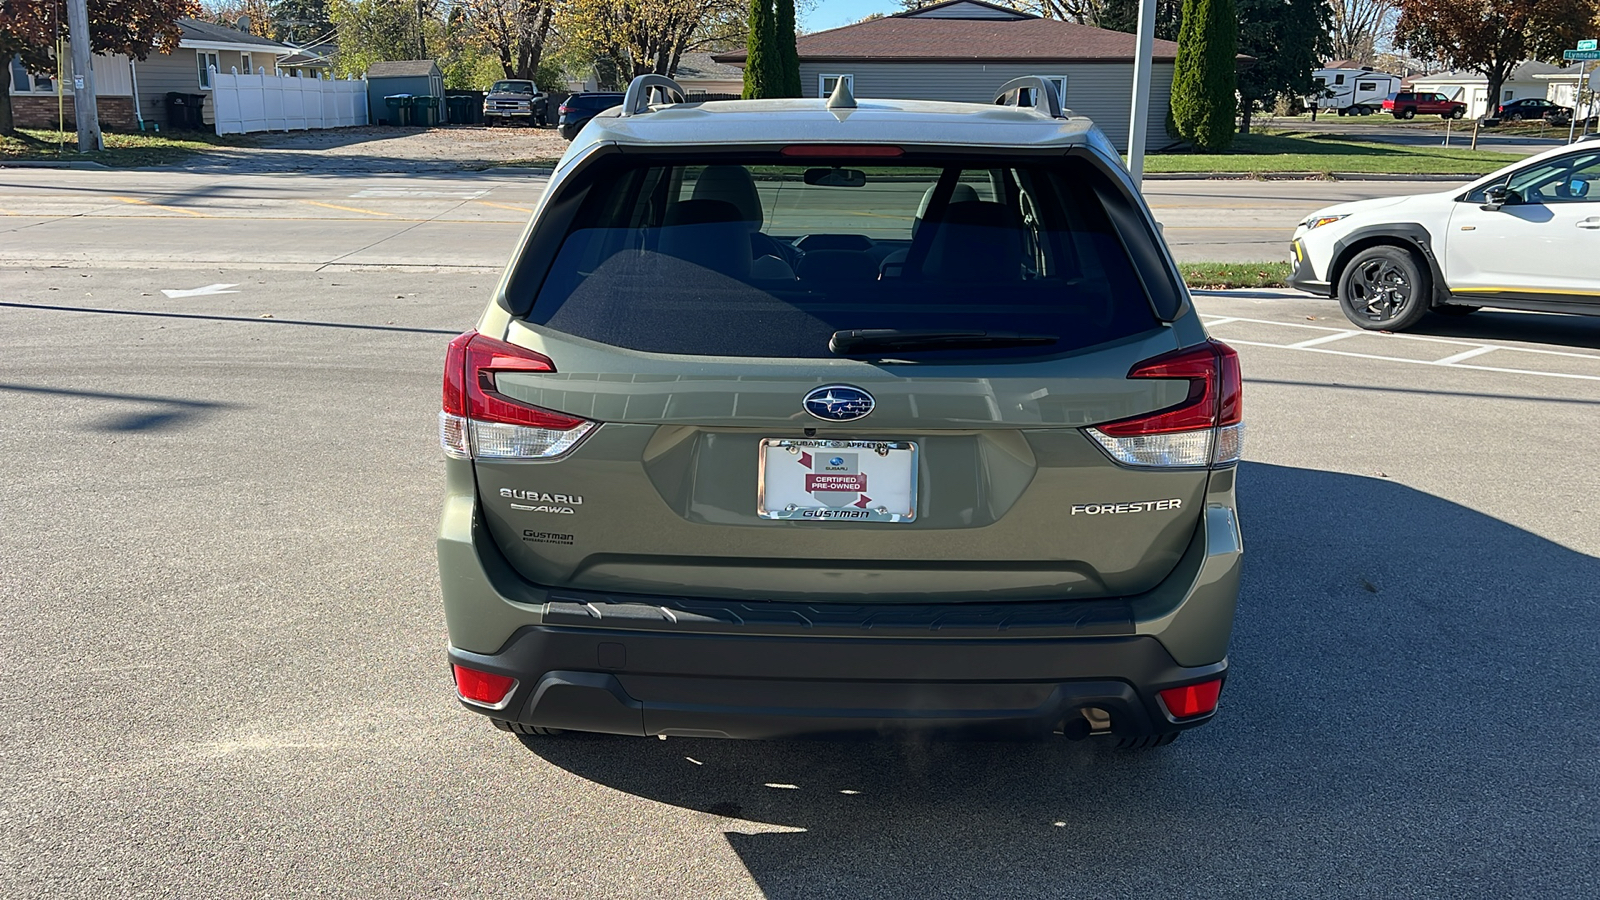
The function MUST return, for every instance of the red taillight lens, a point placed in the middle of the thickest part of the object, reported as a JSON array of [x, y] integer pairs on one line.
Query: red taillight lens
[[1214, 385], [1194, 700], [476, 419], [878, 151], [483, 688], [1206, 429]]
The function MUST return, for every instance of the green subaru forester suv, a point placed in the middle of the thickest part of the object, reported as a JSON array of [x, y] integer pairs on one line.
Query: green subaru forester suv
[[827, 417]]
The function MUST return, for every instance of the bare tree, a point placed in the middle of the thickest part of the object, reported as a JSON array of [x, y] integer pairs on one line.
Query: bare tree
[[1357, 26]]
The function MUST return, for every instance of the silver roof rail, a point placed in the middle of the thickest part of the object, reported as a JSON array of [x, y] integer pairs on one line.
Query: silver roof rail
[[1044, 96], [642, 90]]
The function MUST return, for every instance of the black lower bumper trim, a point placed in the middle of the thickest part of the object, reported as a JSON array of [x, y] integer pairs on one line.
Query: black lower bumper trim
[[1304, 278], [754, 686]]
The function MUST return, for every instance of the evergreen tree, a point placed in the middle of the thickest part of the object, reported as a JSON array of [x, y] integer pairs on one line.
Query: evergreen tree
[[761, 65], [1204, 79], [1123, 15], [1286, 38], [788, 54]]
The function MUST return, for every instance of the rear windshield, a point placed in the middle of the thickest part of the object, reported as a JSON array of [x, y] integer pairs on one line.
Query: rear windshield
[[595, 101], [768, 260]]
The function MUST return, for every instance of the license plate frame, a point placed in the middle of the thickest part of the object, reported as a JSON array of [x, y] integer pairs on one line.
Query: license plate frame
[[889, 460]]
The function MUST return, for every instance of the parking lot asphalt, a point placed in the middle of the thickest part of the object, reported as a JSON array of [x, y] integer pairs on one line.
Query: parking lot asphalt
[[307, 221], [223, 670]]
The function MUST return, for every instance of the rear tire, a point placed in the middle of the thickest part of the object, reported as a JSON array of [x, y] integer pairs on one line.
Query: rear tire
[[1458, 112], [1514, 117], [1409, 114], [1148, 742], [1384, 288]]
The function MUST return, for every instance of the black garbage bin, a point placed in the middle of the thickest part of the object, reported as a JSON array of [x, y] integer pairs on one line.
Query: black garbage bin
[[399, 108], [185, 111]]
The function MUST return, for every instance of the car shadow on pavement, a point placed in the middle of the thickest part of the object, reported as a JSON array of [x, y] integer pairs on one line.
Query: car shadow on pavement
[[1409, 711], [1495, 326]]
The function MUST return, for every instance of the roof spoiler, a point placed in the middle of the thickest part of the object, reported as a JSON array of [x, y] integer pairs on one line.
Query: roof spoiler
[[1042, 95], [642, 90]]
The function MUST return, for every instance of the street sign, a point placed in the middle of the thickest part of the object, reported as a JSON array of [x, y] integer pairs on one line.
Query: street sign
[[1580, 54], [1589, 45]]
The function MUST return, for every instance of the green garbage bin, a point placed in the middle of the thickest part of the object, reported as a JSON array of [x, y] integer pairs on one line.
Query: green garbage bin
[[399, 108], [425, 111], [459, 108]]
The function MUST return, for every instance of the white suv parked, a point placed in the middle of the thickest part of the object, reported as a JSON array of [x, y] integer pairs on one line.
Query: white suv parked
[[1525, 237]]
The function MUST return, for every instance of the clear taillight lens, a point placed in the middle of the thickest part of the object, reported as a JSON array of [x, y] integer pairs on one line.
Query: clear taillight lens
[[477, 421], [1206, 429]]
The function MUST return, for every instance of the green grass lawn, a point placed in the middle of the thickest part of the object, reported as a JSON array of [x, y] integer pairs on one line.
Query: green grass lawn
[[1302, 152], [1220, 276], [121, 149]]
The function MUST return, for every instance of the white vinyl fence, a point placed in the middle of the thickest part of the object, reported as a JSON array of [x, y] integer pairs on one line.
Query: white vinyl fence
[[243, 103]]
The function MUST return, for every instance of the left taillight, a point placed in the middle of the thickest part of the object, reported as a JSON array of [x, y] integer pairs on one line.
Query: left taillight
[[477, 421], [1206, 429]]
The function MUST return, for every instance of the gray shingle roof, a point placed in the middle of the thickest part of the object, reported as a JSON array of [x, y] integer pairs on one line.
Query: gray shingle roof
[[403, 67], [212, 33]]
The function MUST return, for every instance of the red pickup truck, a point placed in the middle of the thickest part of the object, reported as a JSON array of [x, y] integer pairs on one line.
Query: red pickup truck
[[1406, 105]]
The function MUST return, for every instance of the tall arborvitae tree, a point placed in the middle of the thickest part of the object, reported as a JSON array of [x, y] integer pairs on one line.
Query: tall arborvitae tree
[[761, 62], [1286, 39], [788, 53], [1205, 77]]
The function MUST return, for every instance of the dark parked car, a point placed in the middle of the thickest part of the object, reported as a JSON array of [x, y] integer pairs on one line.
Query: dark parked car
[[1533, 108], [1407, 104], [580, 108]]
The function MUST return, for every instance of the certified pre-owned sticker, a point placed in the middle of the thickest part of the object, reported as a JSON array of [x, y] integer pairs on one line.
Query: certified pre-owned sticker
[[1113, 509]]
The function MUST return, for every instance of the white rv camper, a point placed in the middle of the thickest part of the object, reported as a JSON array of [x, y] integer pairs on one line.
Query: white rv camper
[[1351, 91]]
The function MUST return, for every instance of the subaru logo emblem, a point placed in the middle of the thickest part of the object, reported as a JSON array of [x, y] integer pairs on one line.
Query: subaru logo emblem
[[836, 461], [838, 403]]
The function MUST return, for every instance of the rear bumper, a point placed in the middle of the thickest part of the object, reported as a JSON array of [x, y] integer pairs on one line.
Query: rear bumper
[[625, 681]]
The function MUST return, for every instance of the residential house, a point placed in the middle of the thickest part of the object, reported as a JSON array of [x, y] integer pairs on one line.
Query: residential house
[[699, 74], [966, 49], [132, 94]]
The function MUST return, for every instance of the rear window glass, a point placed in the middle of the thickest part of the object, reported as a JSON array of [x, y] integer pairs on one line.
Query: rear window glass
[[766, 260]]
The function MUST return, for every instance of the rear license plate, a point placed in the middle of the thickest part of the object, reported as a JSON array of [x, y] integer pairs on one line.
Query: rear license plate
[[837, 481]]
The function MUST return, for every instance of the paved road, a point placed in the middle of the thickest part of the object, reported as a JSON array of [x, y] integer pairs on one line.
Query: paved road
[[474, 219], [222, 669], [1427, 132]]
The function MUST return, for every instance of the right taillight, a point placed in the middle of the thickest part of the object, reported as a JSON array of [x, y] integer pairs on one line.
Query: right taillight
[[478, 422], [1206, 429]]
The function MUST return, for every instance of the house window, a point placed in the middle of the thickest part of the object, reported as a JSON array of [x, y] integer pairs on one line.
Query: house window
[[1509, 95], [246, 68], [207, 62], [25, 82], [826, 84]]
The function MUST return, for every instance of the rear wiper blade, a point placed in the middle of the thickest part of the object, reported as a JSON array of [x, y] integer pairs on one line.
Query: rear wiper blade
[[863, 340]]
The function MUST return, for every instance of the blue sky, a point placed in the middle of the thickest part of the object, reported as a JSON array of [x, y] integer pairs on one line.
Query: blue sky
[[827, 14]]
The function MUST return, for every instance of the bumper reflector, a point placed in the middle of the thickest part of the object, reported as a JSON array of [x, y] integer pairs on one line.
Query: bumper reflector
[[1191, 701], [484, 688]]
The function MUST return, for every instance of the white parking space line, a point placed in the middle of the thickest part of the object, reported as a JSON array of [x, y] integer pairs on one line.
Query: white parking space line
[[1456, 360], [1325, 339]]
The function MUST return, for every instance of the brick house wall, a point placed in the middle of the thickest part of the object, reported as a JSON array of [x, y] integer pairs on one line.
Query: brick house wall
[[41, 111]]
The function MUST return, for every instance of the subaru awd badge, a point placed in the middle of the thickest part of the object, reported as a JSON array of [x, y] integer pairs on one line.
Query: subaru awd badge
[[838, 403]]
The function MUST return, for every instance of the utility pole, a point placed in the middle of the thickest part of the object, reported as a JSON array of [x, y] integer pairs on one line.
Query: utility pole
[[85, 107], [1144, 48]]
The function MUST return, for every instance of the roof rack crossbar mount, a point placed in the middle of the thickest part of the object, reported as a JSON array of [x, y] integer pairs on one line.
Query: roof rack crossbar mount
[[642, 90], [1041, 92]]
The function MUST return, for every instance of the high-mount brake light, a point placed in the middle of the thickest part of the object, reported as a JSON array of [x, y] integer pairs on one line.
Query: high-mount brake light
[[1206, 429], [488, 689], [477, 421], [1193, 700], [841, 151]]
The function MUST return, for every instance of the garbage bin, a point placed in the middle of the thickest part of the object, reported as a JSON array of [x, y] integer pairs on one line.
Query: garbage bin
[[399, 108], [185, 111], [459, 109], [425, 111]]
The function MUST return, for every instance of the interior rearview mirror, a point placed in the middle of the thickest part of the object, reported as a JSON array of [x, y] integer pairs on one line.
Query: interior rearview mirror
[[836, 177]]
